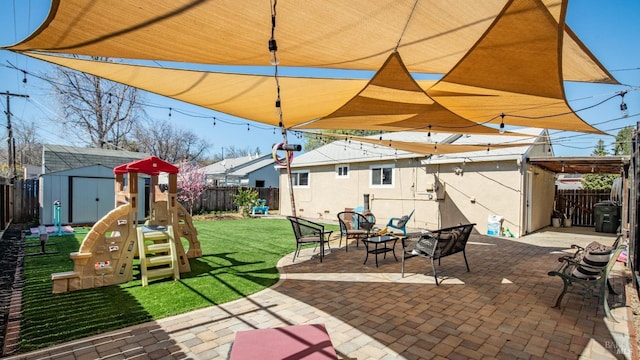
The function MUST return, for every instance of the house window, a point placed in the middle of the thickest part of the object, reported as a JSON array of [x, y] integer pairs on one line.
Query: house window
[[300, 178], [342, 171], [260, 183], [382, 175]]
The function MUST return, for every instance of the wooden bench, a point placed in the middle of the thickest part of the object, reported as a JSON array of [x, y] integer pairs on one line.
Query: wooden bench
[[574, 270], [435, 245]]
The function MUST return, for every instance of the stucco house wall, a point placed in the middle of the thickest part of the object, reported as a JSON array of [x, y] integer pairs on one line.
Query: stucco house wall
[[444, 191]]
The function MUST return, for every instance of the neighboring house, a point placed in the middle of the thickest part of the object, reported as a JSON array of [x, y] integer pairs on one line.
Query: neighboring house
[[82, 180], [443, 189], [252, 170]]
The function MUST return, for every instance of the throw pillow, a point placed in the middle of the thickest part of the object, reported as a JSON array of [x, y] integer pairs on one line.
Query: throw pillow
[[595, 257]]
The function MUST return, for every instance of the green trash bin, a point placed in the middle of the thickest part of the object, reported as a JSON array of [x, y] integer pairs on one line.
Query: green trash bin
[[607, 217]]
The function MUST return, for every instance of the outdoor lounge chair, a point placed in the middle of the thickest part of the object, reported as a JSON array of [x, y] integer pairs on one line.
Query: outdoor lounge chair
[[400, 223], [354, 225], [436, 245], [307, 232]]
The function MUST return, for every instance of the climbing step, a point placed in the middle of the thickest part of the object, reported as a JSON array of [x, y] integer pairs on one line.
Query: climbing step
[[157, 253]]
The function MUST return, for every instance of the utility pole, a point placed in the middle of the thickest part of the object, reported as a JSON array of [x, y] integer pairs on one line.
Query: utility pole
[[11, 155]]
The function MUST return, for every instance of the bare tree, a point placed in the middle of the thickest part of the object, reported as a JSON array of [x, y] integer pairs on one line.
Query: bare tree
[[28, 144], [100, 112], [169, 143]]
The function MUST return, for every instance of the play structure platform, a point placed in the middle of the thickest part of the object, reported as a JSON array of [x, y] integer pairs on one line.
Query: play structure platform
[[106, 254]]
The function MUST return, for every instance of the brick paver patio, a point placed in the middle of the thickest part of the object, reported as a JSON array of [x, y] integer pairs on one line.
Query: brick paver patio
[[502, 309]]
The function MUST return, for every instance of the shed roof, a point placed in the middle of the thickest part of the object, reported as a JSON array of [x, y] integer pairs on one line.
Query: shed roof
[[63, 157]]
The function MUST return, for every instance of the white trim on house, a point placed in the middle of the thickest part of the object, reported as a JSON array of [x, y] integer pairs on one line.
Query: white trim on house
[[382, 178], [296, 179], [342, 171]]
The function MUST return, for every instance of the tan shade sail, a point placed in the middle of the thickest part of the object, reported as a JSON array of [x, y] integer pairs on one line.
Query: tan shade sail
[[513, 74], [431, 36], [248, 96], [393, 101]]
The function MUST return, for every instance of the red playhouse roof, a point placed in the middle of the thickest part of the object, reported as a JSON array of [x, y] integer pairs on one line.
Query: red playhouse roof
[[151, 166]]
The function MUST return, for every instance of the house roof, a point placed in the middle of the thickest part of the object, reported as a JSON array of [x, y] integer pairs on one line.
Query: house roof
[[238, 166], [63, 157], [529, 137], [352, 151]]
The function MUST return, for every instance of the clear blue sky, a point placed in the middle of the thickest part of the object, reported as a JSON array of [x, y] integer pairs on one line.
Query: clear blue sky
[[608, 28]]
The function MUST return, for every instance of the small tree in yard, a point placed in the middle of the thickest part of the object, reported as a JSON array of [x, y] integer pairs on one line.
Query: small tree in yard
[[190, 183], [245, 199]]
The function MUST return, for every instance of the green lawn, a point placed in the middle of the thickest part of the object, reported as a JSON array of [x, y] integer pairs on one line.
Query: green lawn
[[239, 258]]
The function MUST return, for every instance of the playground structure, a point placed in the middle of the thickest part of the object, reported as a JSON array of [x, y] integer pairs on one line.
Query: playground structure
[[106, 254]]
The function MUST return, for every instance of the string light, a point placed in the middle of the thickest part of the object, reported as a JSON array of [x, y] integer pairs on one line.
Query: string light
[[623, 106], [429, 134], [214, 121], [278, 107], [170, 112], [502, 123], [273, 46], [24, 77]]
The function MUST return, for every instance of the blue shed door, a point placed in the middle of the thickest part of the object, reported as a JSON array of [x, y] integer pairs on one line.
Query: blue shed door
[[91, 199]]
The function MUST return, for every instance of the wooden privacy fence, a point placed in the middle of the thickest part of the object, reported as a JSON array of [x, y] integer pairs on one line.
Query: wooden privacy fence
[[221, 199], [582, 202], [19, 202]]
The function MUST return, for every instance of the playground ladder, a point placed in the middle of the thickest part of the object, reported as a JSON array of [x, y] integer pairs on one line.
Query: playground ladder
[[157, 253]]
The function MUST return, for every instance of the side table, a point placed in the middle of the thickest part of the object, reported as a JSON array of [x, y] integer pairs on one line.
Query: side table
[[380, 240]]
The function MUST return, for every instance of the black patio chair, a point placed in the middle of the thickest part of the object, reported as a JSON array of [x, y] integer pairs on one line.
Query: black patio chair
[[308, 232], [354, 225]]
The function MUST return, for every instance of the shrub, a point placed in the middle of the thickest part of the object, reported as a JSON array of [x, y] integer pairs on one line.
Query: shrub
[[246, 199]]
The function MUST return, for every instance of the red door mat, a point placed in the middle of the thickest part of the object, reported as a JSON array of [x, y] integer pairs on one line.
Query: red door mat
[[289, 342]]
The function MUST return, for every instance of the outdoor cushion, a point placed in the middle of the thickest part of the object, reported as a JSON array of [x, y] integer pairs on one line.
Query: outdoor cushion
[[595, 258]]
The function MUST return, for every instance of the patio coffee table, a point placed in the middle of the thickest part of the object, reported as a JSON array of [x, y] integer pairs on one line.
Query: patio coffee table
[[380, 240]]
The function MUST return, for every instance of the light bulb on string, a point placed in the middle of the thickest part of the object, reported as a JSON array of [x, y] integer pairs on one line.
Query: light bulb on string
[[273, 52], [170, 113], [278, 108], [248, 127], [502, 124], [24, 77], [214, 121], [429, 134], [623, 105]]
